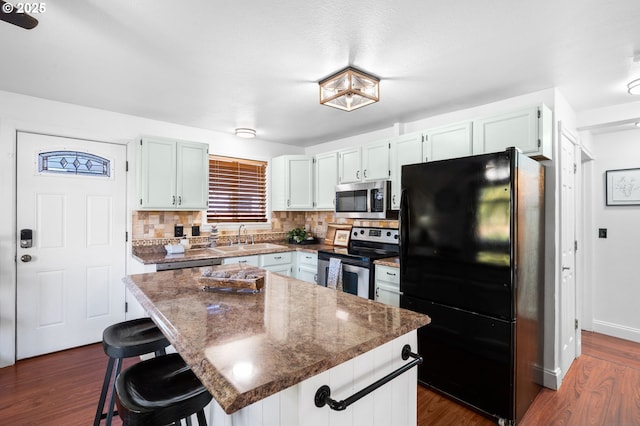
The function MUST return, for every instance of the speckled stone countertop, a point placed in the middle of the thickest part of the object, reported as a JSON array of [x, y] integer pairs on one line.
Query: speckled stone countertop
[[157, 254], [394, 262], [245, 347]]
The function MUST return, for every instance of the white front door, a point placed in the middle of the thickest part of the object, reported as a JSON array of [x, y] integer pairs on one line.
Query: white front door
[[71, 195], [568, 315]]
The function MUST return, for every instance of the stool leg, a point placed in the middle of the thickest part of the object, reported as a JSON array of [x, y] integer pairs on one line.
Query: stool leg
[[202, 420], [160, 352], [112, 402], [188, 419], [103, 393]]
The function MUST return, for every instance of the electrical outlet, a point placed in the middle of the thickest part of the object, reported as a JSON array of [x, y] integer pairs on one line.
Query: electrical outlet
[[602, 233]]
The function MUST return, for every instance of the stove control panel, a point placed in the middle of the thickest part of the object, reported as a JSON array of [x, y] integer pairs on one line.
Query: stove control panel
[[378, 235]]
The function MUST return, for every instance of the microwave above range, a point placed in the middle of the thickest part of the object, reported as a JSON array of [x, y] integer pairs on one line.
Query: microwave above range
[[365, 200]]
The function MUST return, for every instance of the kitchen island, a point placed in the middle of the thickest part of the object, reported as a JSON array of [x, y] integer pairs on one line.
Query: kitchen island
[[264, 355]]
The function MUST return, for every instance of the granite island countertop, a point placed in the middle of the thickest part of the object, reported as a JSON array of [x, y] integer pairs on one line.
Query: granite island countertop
[[245, 347]]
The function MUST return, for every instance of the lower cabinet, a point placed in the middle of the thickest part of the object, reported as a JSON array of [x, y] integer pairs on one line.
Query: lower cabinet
[[387, 287], [280, 263], [307, 269]]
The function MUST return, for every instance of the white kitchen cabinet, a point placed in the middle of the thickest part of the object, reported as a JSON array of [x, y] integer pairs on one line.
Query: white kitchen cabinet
[[452, 141], [173, 175], [326, 178], [375, 161], [528, 129], [307, 267], [364, 163], [281, 263], [350, 165], [253, 260], [406, 149], [387, 285], [292, 182]]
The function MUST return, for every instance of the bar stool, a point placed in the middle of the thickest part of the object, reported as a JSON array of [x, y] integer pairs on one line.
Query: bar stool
[[125, 340], [160, 391]]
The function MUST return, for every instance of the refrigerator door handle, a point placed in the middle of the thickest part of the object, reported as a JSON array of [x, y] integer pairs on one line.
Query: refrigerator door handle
[[403, 226]]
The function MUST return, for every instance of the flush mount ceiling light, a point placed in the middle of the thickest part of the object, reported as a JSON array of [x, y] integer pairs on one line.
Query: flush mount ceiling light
[[246, 133], [349, 89]]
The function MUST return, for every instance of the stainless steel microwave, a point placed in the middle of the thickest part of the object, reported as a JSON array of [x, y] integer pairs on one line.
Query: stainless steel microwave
[[364, 200]]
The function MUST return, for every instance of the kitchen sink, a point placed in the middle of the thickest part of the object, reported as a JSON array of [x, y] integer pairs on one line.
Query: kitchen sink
[[246, 248]]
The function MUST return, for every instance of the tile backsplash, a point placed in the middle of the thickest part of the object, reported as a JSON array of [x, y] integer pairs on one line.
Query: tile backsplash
[[157, 227]]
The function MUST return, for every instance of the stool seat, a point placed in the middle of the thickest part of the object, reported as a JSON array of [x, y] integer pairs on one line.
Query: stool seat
[[133, 338], [160, 391], [125, 340]]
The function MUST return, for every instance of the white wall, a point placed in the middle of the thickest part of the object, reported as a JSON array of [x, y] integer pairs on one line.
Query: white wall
[[615, 285], [18, 112]]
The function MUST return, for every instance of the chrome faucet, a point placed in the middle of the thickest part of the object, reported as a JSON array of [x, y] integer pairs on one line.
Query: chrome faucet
[[240, 231]]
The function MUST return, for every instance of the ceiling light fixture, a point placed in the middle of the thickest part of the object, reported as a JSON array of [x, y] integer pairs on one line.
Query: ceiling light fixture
[[349, 89], [634, 87], [246, 133]]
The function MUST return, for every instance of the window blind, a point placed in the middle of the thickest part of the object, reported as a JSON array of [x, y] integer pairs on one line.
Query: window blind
[[237, 190]]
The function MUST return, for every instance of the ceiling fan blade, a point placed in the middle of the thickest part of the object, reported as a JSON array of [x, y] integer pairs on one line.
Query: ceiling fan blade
[[9, 14]]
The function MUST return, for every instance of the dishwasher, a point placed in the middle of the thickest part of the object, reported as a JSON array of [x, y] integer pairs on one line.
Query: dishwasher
[[168, 266]]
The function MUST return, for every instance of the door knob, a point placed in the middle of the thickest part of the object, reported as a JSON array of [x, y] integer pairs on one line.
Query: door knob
[[26, 258]]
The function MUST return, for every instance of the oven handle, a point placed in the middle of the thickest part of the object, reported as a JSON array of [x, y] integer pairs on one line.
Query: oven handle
[[323, 394]]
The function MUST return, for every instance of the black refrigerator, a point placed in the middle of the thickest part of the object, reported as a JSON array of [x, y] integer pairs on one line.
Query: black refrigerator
[[471, 257]]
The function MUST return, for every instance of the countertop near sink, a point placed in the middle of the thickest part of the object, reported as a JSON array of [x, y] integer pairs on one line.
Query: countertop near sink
[[149, 255]]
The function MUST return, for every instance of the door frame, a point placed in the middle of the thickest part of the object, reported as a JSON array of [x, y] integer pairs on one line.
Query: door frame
[[8, 221]]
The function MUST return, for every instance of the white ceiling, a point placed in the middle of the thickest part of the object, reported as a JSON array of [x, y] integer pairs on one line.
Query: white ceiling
[[253, 63]]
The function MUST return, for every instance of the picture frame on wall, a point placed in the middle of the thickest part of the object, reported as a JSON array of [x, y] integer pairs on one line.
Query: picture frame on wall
[[623, 187]]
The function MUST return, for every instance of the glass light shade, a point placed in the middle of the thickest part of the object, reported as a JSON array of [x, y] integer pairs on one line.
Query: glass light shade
[[349, 89], [634, 87], [246, 133]]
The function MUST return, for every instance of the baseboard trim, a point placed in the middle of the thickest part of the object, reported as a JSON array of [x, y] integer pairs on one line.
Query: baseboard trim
[[617, 330], [551, 378]]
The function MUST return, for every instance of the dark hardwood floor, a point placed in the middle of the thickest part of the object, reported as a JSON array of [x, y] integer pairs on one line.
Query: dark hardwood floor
[[601, 388]]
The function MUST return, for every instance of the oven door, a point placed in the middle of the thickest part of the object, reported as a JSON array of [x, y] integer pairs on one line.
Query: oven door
[[355, 279]]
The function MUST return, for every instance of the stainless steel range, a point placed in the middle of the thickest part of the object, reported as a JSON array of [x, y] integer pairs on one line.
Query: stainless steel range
[[366, 245]]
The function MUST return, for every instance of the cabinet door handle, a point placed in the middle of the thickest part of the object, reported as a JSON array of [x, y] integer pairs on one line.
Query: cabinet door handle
[[242, 261], [315, 278], [391, 273], [288, 203], [377, 293], [173, 200], [357, 174], [365, 173], [394, 199], [179, 200], [277, 257]]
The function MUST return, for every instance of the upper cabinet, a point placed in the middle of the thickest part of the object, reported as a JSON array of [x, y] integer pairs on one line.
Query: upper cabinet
[[406, 149], [451, 141], [173, 175], [292, 182], [375, 161], [364, 163], [350, 165], [528, 129], [326, 178]]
